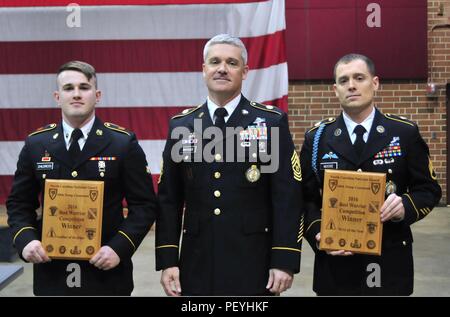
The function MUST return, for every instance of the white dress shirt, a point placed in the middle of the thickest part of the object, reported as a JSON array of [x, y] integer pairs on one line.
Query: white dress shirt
[[67, 130], [367, 124], [229, 106]]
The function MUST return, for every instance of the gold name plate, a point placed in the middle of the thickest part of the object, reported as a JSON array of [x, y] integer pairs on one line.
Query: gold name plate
[[72, 218], [351, 211]]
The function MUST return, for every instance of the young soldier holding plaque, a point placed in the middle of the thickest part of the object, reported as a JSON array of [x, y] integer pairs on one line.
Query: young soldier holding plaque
[[364, 139], [82, 169]]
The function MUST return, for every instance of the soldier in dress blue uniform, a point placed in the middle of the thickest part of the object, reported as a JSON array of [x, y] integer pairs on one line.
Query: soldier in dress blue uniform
[[242, 227], [104, 152], [364, 139]]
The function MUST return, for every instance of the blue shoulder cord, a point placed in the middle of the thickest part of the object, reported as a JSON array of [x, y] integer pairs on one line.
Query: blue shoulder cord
[[315, 151]]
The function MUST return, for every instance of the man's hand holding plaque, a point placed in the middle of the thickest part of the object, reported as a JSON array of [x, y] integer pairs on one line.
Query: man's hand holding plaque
[[72, 218], [351, 212]]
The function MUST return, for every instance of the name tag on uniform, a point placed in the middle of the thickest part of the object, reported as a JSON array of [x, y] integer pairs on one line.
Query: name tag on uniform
[[47, 166], [329, 165], [190, 149]]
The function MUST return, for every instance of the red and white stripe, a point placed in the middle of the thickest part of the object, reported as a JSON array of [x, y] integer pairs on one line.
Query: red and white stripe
[[148, 56]]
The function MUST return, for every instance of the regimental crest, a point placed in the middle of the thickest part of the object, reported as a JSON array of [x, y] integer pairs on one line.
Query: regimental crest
[[93, 194], [332, 184], [52, 193], [375, 187]]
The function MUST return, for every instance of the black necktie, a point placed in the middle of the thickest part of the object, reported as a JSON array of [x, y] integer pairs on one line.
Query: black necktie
[[359, 142], [220, 115], [74, 149]]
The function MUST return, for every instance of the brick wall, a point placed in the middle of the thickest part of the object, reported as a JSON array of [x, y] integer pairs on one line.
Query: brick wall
[[310, 102]]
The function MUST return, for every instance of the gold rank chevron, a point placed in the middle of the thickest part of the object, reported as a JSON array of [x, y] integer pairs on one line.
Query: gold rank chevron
[[425, 211], [296, 166]]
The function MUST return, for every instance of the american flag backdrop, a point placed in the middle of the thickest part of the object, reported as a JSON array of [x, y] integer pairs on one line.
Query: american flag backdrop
[[148, 57]]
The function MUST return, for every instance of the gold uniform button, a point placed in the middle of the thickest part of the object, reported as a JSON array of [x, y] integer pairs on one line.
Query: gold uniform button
[[218, 157], [266, 229], [217, 211], [184, 230], [404, 242], [217, 193], [217, 175], [74, 174]]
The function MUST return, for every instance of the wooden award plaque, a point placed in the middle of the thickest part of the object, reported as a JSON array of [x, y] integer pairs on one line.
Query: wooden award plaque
[[72, 218], [351, 211]]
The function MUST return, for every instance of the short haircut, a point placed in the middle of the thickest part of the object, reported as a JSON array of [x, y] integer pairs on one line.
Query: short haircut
[[352, 57], [226, 39], [87, 69]]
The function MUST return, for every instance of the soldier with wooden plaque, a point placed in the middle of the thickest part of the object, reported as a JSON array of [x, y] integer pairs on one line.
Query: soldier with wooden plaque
[[345, 215], [72, 218], [82, 170], [351, 211]]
